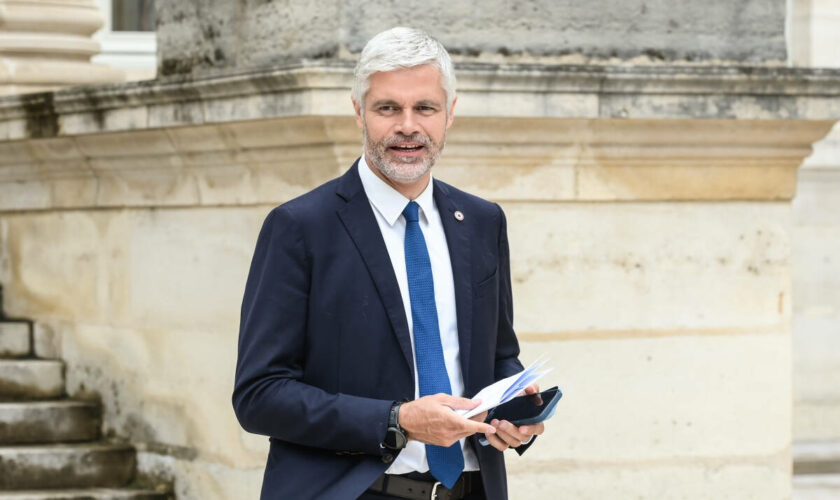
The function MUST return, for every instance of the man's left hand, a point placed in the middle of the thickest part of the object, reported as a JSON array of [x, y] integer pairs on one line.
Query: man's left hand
[[510, 436]]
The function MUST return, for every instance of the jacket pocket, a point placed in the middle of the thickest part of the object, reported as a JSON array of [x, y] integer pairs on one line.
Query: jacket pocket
[[487, 284]]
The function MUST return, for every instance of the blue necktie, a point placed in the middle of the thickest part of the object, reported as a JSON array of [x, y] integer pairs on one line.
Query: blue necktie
[[445, 464]]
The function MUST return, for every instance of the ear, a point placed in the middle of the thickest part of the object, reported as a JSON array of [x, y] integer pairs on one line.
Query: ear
[[359, 122], [451, 116]]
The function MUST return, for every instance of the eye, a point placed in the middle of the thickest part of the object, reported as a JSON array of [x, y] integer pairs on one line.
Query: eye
[[426, 110], [387, 109]]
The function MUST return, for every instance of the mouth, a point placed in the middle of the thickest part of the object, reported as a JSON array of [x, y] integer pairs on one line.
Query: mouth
[[407, 148]]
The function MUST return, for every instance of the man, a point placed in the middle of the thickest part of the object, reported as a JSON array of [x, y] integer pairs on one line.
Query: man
[[376, 301]]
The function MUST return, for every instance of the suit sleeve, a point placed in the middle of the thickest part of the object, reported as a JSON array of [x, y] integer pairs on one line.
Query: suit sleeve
[[507, 347], [269, 395]]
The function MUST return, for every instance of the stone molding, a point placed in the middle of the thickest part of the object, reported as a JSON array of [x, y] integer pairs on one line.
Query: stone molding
[[535, 132], [272, 160], [48, 45], [511, 90]]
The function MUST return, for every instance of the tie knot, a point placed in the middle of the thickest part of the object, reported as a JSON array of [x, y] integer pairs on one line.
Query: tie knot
[[410, 211]]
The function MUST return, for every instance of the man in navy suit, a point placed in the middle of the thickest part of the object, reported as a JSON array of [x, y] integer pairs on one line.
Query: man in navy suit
[[377, 304]]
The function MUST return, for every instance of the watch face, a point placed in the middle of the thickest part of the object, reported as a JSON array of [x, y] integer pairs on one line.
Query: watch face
[[395, 439]]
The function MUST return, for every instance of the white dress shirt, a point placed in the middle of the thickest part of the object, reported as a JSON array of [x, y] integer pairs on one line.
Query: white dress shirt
[[388, 205]]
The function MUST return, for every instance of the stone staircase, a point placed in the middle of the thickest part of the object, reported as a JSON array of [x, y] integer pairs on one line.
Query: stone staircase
[[51, 447], [816, 470]]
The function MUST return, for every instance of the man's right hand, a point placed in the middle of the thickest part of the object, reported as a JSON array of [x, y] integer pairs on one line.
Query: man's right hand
[[431, 420]]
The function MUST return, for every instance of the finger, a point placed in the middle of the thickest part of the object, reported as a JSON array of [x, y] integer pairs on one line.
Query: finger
[[511, 430], [473, 427], [508, 439], [532, 430], [533, 388], [481, 417], [457, 403], [495, 442]]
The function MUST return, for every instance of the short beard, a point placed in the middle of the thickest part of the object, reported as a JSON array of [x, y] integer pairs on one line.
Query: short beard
[[398, 171]]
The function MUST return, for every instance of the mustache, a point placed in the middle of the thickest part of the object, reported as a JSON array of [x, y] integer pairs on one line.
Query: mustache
[[418, 138]]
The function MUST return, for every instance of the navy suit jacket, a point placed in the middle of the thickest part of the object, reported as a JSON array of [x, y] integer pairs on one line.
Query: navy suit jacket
[[324, 346]]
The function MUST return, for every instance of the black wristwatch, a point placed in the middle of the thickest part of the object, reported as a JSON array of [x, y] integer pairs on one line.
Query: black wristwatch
[[395, 438]]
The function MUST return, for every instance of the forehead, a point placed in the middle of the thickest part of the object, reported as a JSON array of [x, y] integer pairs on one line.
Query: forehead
[[407, 84]]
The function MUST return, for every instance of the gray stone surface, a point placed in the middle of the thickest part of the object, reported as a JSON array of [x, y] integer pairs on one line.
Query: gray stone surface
[[210, 34], [66, 466], [85, 494], [48, 422], [14, 339], [31, 379]]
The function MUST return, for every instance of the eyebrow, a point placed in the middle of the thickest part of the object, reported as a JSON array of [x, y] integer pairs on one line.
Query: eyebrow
[[391, 102]]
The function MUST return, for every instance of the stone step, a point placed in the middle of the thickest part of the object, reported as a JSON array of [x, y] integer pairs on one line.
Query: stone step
[[31, 379], [100, 465], [48, 422], [815, 487], [15, 340], [86, 494], [816, 457]]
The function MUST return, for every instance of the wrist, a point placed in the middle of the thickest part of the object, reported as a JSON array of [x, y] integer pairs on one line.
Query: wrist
[[395, 437]]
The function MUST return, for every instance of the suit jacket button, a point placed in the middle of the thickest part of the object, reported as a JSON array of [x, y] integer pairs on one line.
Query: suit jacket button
[[388, 458]]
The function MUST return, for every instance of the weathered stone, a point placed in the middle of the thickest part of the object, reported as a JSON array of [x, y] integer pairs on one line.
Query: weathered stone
[[31, 379], [213, 34], [816, 486], [46, 341], [66, 466], [86, 494], [15, 339], [696, 397], [816, 457], [676, 268], [816, 287], [667, 478], [44, 422]]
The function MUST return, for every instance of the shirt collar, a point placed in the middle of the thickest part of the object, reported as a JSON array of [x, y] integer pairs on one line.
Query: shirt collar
[[387, 200]]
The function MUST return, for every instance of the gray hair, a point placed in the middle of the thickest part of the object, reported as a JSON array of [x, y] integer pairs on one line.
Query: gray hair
[[398, 48]]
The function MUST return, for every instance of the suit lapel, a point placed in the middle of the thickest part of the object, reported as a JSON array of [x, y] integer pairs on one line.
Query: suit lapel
[[458, 241], [360, 222]]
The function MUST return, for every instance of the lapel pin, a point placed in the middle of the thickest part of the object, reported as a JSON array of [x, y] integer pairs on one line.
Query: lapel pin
[[459, 215]]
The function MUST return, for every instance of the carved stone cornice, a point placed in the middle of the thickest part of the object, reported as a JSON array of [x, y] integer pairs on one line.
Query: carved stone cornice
[[522, 133]]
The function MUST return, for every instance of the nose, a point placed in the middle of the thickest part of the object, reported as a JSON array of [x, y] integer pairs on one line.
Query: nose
[[408, 124]]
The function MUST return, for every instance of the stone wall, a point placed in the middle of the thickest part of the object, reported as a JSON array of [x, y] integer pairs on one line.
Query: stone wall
[[649, 216], [204, 35]]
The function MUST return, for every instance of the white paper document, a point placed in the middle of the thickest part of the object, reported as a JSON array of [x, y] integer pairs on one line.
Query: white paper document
[[506, 389]]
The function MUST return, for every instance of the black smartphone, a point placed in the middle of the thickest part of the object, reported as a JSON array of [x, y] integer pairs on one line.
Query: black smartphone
[[529, 409]]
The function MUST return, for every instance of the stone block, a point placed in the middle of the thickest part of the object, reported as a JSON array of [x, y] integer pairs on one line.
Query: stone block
[[54, 149], [46, 341], [87, 494], [66, 466], [187, 268], [730, 479], [48, 422], [134, 143], [62, 277], [30, 379], [665, 400], [24, 195], [209, 138], [580, 269], [211, 480], [15, 339]]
